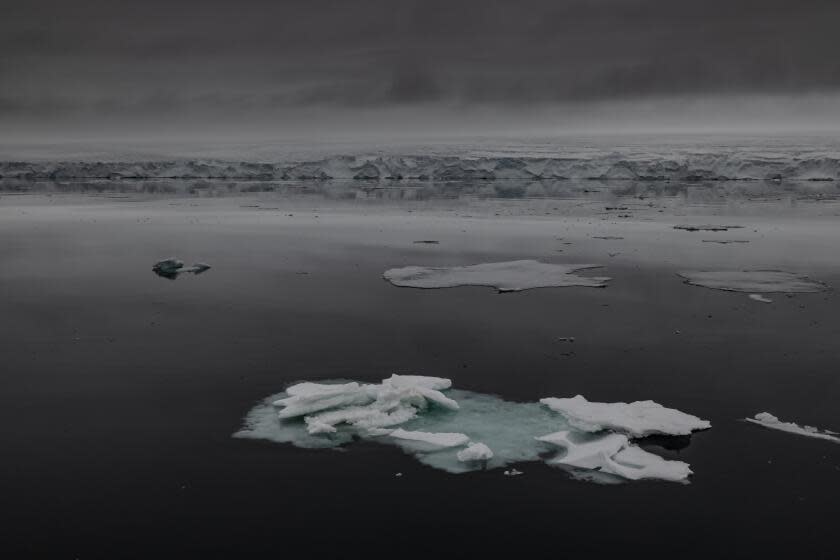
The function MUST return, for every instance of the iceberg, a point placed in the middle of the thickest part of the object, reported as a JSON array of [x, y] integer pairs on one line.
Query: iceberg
[[461, 431], [753, 281], [767, 420], [637, 419], [511, 276]]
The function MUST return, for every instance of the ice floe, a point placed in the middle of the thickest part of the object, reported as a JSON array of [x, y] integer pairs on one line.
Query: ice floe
[[511, 276], [460, 431], [760, 298], [637, 419], [753, 281], [613, 454], [769, 421]]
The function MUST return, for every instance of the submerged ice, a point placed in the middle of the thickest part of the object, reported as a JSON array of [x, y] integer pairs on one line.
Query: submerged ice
[[511, 276], [462, 431]]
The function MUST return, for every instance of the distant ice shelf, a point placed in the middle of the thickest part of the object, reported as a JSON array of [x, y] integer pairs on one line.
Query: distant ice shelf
[[622, 165], [460, 431], [511, 276]]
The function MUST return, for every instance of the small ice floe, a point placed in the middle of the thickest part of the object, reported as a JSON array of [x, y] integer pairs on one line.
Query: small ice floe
[[566, 339], [637, 419], [761, 298], [427, 242], [172, 267], [513, 472], [613, 454], [607, 237], [753, 281], [475, 452], [769, 421], [462, 431], [707, 227], [725, 241], [511, 276]]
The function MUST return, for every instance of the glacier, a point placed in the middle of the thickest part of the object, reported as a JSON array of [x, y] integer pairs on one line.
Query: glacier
[[459, 431], [657, 165]]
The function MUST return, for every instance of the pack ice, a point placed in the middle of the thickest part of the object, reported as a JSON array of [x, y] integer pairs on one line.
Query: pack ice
[[510, 276], [460, 431]]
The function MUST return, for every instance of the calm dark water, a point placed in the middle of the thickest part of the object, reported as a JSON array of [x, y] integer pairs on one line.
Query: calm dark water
[[122, 389]]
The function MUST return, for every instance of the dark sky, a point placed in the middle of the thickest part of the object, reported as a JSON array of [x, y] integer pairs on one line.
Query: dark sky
[[272, 61]]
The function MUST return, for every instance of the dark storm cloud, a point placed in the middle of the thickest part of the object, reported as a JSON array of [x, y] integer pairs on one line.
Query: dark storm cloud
[[158, 57]]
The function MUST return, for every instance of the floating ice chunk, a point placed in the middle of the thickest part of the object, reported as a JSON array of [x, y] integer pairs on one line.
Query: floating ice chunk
[[372, 407], [172, 267], [753, 281], [437, 383], [197, 268], [446, 439], [761, 298], [475, 452], [613, 454], [168, 266], [637, 419], [306, 398], [511, 276], [513, 472], [769, 421], [689, 227], [725, 241]]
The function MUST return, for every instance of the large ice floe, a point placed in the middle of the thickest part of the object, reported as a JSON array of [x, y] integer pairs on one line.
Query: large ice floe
[[753, 281], [510, 276], [460, 431], [636, 419], [767, 420]]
